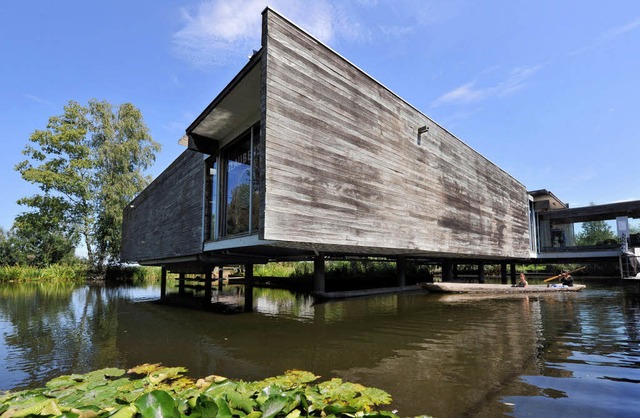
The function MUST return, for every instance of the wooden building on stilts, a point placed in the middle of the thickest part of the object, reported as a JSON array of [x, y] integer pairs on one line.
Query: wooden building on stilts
[[305, 156]]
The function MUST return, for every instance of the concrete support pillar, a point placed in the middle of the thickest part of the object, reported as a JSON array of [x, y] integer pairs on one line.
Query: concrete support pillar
[[248, 288], [220, 277], [318, 274], [503, 273], [454, 271], [163, 283], [401, 269], [208, 283], [447, 271], [513, 273], [481, 272], [181, 288]]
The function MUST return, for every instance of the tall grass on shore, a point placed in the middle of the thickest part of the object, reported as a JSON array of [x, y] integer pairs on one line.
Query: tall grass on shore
[[134, 274], [337, 269], [79, 272], [53, 273], [284, 269]]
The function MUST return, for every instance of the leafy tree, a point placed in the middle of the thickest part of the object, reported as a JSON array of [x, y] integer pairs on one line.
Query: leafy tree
[[44, 236], [594, 232], [88, 163], [123, 148], [6, 253]]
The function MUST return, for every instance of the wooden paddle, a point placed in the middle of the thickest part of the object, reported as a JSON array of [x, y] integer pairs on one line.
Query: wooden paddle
[[560, 275]]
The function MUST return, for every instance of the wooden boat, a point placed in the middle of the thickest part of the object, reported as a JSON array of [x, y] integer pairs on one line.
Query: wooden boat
[[451, 287]]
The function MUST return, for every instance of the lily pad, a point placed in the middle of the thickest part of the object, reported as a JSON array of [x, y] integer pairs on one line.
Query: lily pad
[[157, 404]]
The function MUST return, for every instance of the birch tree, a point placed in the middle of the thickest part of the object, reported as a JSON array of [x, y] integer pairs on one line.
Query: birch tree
[[89, 161]]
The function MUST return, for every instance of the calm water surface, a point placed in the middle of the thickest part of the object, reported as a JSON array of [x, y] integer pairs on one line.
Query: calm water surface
[[554, 355]]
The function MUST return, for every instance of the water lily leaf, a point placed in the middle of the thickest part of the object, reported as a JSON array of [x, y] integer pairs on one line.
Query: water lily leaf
[[69, 397], [294, 414], [64, 381], [166, 373], [128, 411], [338, 409], [129, 397], [26, 396], [157, 404], [218, 389], [291, 379], [87, 413], [101, 396], [5, 397], [42, 407], [68, 414], [274, 405], [103, 374], [144, 369], [238, 401], [370, 397], [87, 409], [272, 390], [205, 406], [97, 383], [386, 414], [223, 409]]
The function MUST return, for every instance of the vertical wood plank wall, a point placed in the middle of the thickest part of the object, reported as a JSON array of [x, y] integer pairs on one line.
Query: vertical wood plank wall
[[166, 218], [343, 165]]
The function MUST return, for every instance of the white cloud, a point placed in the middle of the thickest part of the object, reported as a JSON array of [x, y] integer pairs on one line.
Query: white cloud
[[621, 30], [221, 31], [609, 36], [36, 99], [469, 92]]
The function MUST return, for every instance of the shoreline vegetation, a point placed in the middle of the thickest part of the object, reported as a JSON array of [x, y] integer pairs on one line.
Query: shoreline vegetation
[[77, 273], [301, 271], [151, 390]]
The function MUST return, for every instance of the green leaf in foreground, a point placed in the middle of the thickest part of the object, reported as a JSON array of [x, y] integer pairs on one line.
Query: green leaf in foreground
[[157, 404], [152, 390]]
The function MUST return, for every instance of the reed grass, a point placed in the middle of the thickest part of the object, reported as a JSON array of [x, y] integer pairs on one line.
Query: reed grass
[[53, 273], [135, 274], [281, 269]]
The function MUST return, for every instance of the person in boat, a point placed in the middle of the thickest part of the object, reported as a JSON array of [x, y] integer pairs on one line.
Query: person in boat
[[523, 281], [566, 279]]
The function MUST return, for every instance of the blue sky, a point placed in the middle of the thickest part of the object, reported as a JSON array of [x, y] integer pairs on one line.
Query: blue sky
[[548, 90]]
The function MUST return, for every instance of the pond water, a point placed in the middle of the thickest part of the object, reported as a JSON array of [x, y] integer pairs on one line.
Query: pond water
[[555, 355]]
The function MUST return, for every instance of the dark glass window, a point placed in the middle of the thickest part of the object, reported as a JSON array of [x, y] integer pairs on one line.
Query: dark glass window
[[211, 199], [256, 162], [238, 186], [233, 187]]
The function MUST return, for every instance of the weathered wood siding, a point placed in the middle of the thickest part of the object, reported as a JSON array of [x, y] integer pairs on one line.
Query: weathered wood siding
[[344, 169], [165, 220]]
